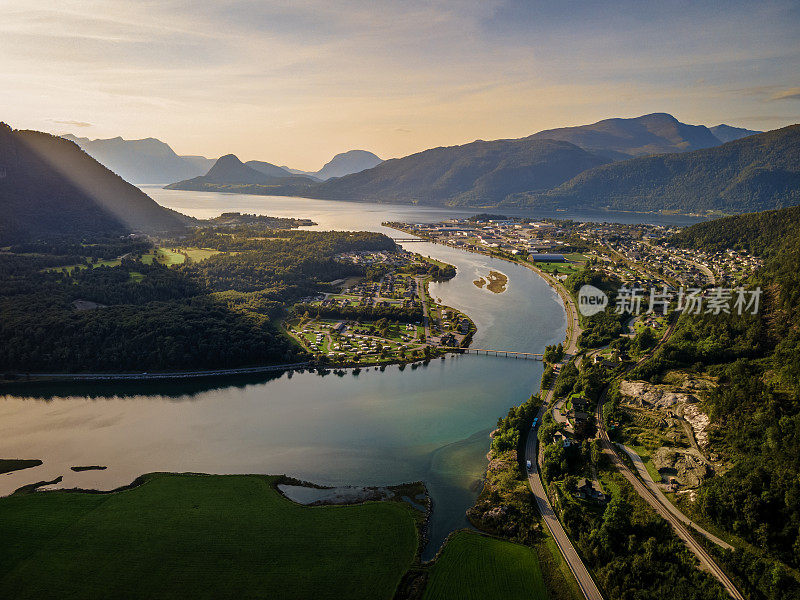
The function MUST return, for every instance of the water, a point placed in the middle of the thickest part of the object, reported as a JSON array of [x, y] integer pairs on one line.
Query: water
[[375, 428]]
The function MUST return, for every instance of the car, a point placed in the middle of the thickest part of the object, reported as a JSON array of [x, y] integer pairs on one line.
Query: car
[[528, 465]]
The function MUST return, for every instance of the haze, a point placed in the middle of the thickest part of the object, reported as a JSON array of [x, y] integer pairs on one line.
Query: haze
[[296, 84]]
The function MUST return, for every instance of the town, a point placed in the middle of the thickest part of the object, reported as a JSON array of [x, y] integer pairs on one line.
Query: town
[[387, 316]]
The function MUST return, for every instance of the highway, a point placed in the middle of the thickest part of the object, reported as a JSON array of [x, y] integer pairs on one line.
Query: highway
[[579, 570], [571, 556]]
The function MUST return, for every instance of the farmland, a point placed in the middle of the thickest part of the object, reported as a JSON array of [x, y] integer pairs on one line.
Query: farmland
[[200, 537], [475, 567]]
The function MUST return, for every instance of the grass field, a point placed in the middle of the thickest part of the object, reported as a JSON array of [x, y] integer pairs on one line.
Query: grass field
[[199, 254], [476, 567], [200, 536], [560, 267]]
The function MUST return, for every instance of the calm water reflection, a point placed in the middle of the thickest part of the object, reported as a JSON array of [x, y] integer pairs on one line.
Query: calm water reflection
[[376, 428]]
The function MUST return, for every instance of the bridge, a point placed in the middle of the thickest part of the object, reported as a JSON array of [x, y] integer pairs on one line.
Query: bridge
[[489, 352], [406, 240]]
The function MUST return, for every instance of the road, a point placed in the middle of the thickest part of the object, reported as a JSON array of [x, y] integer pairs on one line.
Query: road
[[571, 556], [170, 375], [573, 323]]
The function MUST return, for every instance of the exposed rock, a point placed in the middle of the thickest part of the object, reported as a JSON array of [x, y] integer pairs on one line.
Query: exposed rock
[[647, 394], [683, 466], [699, 422]]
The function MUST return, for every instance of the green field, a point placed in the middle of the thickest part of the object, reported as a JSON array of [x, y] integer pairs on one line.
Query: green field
[[476, 567], [200, 536], [562, 268], [198, 254]]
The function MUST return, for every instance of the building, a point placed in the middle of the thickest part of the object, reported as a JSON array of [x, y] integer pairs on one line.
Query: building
[[589, 490]]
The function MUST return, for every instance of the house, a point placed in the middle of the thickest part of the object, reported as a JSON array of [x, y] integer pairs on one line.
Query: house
[[589, 490], [580, 403], [448, 339], [339, 327]]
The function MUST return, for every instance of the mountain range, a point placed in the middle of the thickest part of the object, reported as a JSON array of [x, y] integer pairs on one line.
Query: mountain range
[[152, 161], [657, 133], [345, 163], [142, 161], [229, 174], [50, 187], [548, 167], [750, 174]]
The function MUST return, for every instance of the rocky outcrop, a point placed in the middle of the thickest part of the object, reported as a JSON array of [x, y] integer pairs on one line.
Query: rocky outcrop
[[682, 466], [658, 396]]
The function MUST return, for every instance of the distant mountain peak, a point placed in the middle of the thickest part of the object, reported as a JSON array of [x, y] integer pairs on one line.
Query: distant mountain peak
[[728, 133], [346, 163], [229, 169]]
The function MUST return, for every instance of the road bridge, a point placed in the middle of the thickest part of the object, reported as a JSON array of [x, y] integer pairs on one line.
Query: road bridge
[[489, 352]]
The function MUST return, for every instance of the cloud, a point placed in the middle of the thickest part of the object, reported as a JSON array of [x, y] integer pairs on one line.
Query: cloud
[[790, 94], [73, 123]]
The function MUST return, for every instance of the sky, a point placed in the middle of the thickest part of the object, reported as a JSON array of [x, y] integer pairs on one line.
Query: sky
[[293, 83]]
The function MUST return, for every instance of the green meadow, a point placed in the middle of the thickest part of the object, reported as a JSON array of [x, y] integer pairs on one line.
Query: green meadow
[[200, 536], [476, 567]]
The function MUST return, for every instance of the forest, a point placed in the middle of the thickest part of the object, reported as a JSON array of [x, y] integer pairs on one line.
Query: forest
[[221, 312]]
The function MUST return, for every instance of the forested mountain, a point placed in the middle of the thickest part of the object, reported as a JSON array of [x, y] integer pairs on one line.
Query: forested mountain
[[479, 173], [344, 163], [760, 234], [619, 139], [142, 161], [231, 174], [50, 187], [753, 173]]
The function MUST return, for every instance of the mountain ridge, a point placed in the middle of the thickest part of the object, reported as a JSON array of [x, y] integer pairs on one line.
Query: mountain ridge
[[757, 172]]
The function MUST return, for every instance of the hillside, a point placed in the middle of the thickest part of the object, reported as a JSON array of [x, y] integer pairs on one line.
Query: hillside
[[141, 161], [620, 139], [50, 187], [753, 173], [479, 173], [755, 407], [346, 163], [757, 233], [229, 174]]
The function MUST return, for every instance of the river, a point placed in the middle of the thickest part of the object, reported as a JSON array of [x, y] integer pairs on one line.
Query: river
[[375, 428]]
